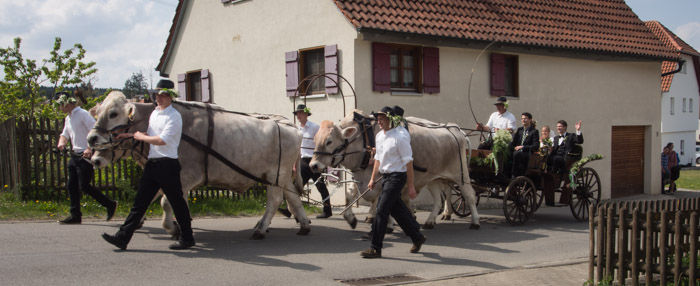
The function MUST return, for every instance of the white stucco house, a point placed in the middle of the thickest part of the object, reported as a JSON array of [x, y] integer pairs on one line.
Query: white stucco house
[[588, 60], [680, 97]]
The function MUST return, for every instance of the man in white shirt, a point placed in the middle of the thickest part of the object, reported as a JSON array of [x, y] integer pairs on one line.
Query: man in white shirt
[[500, 119], [77, 124], [394, 160], [162, 171], [308, 130]]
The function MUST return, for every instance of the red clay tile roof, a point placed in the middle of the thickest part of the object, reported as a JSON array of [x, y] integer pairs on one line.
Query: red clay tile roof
[[607, 26], [672, 41]]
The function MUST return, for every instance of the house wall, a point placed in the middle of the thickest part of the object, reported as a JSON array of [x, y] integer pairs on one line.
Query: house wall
[[682, 125], [243, 45], [600, 93]]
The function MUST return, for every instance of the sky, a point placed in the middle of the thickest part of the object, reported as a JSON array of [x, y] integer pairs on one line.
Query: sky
[[128, 36]]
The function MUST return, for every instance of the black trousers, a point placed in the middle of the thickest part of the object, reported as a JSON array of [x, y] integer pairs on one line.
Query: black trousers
[[307, 174], [390, 203], [520, 160], [80, 174], [161, 173], [559, 163]]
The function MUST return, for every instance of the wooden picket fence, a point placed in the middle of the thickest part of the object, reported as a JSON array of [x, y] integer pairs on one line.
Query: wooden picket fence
[[31, 165], [645, 242]]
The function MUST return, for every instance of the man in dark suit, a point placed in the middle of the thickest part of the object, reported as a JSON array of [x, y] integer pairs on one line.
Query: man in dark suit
[[563, 145], [525, 141]]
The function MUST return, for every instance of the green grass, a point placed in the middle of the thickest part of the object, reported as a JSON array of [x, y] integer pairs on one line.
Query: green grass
[[12, 209], [689, 179]]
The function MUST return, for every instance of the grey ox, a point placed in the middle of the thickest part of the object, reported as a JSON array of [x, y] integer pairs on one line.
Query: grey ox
[[439, 154], [265, 146]]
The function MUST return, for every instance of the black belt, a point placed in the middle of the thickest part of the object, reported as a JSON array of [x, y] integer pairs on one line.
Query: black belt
[[161, 159], [76, 155], [384, 175]]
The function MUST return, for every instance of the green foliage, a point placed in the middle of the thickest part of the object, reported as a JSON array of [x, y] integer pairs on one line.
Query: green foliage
[[21, 94], [499, 152], [689, 179], [136, 85], [577, 166]]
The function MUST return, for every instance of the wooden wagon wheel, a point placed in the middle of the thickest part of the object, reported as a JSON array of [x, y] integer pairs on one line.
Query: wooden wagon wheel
[[459, 203], [587, 192], [519, 201]]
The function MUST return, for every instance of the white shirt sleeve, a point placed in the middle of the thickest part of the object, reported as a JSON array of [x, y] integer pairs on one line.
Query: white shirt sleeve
[[404, 149], [511, 121], [65, 132]]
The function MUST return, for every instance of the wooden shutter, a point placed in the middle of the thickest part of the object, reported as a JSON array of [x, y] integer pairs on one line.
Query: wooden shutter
[[292, 68], [381, 67], [181, 86], [498, 74], [206, 97], [331, 66], [431, 70]]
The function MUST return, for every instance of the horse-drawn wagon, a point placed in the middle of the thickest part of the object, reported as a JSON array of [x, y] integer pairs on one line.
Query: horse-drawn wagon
[[523, 195]]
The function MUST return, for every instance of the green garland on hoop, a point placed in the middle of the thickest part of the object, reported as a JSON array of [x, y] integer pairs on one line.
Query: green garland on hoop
[[577, 166], [499, 151]]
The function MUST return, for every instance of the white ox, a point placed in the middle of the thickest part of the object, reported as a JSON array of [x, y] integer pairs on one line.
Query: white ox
[[265, 146], [439, 149]]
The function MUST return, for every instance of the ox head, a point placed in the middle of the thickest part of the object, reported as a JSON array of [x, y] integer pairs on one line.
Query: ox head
[[337, 144], [113, 116]]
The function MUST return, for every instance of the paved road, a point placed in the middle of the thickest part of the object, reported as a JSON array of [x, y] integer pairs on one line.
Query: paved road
[[51, 254]]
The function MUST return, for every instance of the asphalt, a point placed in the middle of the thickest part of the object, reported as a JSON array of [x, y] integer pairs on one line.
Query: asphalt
[[567, 272]]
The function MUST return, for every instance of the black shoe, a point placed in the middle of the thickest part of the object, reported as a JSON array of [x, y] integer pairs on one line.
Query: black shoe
[[285, 212], [111, 210], [416, 245], [181, 244], [324, 215], [371, 253], [71, 220], [115, 240], [367, 236]]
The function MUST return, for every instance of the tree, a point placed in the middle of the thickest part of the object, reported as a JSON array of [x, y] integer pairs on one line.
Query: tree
[[136, 85], [20, 92]]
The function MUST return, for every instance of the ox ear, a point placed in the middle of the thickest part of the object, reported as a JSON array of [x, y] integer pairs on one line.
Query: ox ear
[[130, 110], [349, 132]]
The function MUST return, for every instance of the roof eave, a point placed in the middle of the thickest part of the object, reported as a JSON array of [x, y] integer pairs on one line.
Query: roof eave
[[174, 30]]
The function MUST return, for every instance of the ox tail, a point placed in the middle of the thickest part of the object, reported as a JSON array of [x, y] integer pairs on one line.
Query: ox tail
[[298, 184]]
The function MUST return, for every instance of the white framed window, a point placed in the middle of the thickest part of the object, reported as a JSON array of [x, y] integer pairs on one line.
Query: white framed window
[[673, 102], [690, 105], [684, 101], [682, 148]]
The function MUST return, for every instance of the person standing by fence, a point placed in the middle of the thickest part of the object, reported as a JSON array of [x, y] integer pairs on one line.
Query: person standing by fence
[[77, 124], [673, 167]]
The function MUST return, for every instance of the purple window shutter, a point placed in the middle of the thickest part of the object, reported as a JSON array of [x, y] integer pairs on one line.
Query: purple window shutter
[[431, 70], [182, 86], [331, 61], [292, 68], [206, 97], [381, 67], [498, 74]]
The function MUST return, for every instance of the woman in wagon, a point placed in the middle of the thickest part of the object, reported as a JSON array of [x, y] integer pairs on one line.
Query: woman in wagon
[[394, 161], [78, 123]]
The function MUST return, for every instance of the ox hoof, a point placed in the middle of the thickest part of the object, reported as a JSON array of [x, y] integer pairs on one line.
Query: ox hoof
[[369, 220], [428, 226], [257, 236], [353, 223], [474, 226], [304, 231], [446, 217]]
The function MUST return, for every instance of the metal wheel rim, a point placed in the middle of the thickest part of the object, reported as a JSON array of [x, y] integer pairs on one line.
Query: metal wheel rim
[[519, 200], [587, 192]]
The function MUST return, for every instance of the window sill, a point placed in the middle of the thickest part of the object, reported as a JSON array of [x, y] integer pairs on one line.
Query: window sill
[[320, 95], [406, 93]]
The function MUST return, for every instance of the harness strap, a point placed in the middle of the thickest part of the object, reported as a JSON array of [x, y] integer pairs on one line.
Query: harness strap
[[210, 137], [221, 158]]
